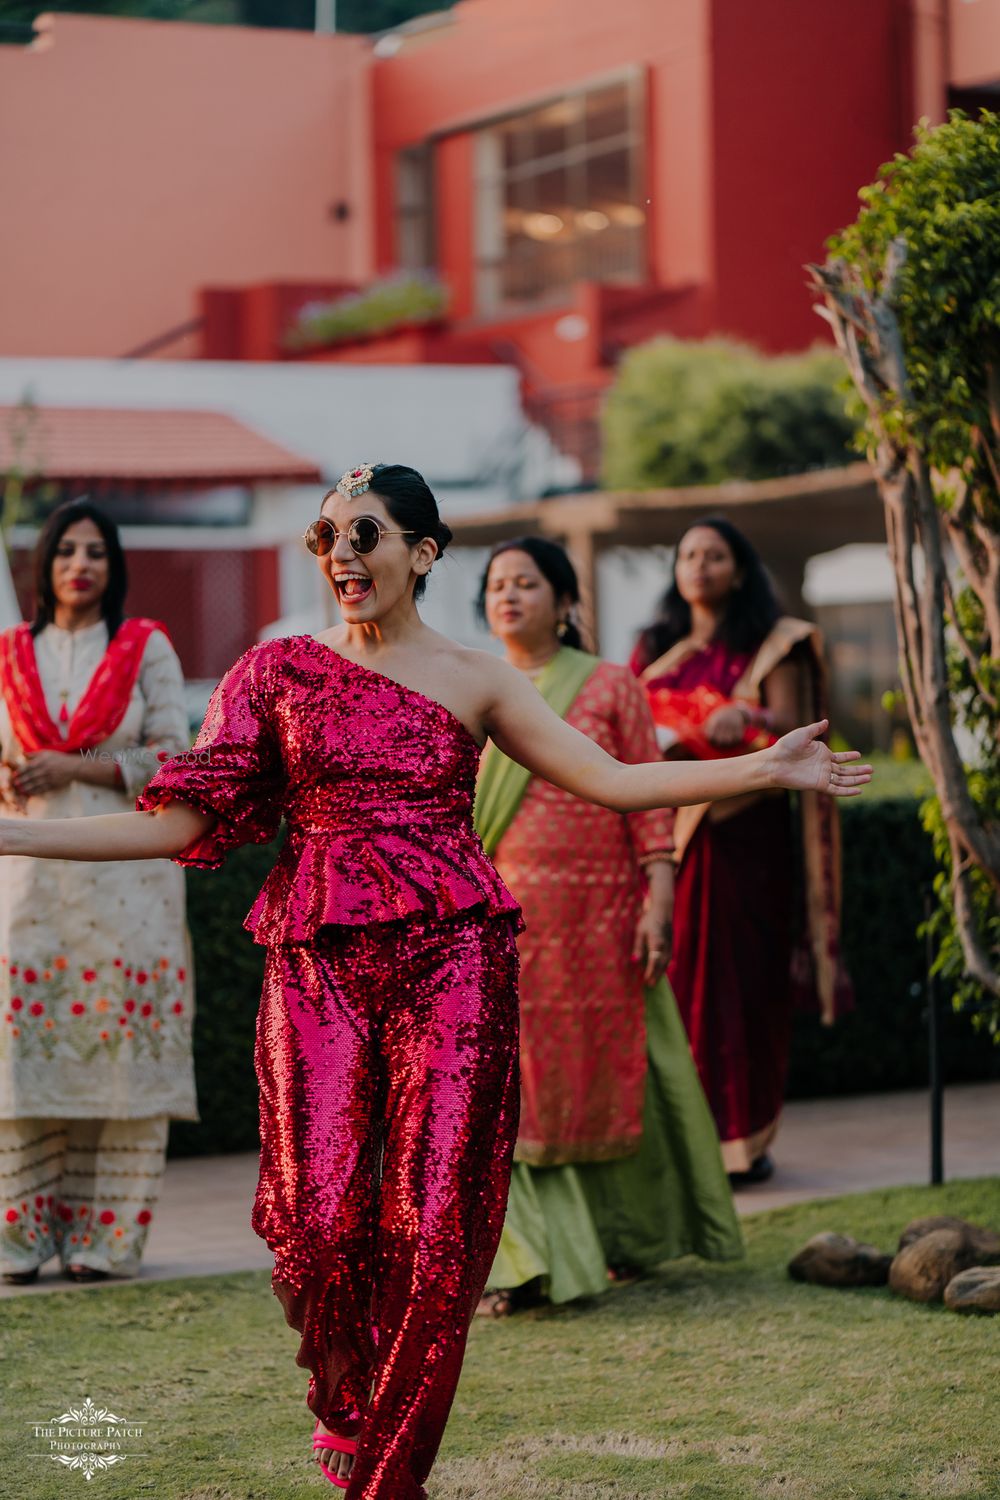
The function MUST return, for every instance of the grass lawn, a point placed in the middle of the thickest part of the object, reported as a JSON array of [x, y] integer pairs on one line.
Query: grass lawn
[[896, 778], [704, 1382]]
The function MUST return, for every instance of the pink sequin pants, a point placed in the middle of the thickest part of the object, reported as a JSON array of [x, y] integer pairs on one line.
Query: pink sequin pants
[[387, 1061]]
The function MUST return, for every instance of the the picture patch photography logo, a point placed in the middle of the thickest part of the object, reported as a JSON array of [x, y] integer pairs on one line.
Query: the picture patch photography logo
[[88, 1438]]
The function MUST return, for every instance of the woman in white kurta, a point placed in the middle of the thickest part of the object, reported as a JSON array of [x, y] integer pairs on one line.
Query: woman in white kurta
[[95, 967]]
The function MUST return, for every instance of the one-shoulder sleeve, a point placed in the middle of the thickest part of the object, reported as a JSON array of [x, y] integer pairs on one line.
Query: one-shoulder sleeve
[[233, 771]]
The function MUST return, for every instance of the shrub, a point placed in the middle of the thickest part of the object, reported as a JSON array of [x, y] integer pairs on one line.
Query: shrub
[[398, 302], [683, 414]]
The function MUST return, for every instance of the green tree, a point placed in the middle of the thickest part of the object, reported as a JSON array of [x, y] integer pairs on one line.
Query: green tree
[[681, 414], [352, 15], [23, 12], [912, 290], [297, 15]]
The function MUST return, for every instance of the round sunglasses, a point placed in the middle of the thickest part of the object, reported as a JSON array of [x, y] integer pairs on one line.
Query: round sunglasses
[[363, 536]]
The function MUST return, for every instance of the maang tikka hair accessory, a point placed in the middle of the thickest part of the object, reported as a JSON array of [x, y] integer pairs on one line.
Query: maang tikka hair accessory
[[355, 481]]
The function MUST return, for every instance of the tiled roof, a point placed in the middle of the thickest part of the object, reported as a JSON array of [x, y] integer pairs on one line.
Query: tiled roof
[[91, 444]]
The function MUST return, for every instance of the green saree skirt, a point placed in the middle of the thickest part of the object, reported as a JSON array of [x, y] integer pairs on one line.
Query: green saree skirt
[[568, 1224]]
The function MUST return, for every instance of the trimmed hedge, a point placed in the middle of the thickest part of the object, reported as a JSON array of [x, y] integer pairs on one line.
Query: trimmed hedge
[[888, 863], [882, 1045], [228, 968]]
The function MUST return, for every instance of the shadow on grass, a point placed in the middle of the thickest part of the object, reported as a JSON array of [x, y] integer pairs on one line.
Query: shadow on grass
[[703, 1382]]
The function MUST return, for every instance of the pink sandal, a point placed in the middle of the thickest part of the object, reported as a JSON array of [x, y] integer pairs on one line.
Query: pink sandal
[[339, 1445]]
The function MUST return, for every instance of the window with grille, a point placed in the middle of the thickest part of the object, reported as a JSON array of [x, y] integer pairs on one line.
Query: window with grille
[[415, 248], [559, 196]]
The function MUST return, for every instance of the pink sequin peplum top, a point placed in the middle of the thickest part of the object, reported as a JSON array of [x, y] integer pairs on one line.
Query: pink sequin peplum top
[[374, 780]]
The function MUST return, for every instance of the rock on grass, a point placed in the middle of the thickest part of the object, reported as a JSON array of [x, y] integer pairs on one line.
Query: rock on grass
[[838, 1260], [923, 1270], [974, 1291], [985, 1242]]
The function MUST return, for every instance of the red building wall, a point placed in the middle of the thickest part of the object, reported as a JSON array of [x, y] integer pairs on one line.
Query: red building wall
[[499, 56], [763, 119], [213, 602], [807, 101]]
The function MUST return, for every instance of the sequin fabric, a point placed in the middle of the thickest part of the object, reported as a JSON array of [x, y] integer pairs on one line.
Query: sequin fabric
[[387, 1062], [375, 782], [387, 1033]]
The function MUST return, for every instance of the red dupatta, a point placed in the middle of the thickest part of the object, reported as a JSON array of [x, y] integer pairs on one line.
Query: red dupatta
[[684, 713], [100, 710]]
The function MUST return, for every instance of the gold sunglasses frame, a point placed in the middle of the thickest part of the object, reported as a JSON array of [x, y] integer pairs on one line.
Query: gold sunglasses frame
[[311, 528]]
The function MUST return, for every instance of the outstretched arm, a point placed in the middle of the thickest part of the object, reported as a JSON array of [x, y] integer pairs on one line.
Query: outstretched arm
[[132, 835], [523, 726]]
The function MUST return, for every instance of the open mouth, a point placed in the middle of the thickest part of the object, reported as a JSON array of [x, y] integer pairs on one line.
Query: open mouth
[[353, 588]]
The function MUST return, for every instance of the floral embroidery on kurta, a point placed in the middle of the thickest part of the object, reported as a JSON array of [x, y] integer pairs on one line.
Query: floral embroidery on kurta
[[96, 996]]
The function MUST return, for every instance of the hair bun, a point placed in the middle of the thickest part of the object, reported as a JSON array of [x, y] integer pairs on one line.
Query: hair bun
[[443, 535]]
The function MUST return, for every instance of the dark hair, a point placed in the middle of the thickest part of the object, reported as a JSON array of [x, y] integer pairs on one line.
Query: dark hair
[[411, 503], [552, 561], [113, 598], [751, 611]]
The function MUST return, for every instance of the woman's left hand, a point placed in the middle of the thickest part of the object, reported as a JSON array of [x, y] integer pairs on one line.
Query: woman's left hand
[[46, 771], [651, 949], [801, 762], [727, 726]]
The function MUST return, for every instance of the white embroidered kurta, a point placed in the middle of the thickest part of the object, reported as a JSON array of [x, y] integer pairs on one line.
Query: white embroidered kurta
[[96, 994]]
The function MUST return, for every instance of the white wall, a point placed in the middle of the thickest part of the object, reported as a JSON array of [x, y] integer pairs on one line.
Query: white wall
[[461, 426]]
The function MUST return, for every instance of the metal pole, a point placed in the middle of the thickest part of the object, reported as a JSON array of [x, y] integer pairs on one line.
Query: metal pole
[[326, 15], [935, 1064], [10, 610]]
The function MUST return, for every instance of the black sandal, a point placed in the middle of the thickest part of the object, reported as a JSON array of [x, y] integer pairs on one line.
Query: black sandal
[[20, 1278], [623, 1273], [85, 1273], [761, 1169]]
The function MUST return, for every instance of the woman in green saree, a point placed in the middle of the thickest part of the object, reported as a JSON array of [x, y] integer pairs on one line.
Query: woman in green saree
[[617, 1164]]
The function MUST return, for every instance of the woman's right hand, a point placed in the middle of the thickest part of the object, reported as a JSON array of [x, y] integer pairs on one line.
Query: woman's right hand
[[726, 726], [9, 794]]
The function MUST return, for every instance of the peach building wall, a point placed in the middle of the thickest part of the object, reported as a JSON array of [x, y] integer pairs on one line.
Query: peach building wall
[[502, 55], [974, 56], [141, 160]]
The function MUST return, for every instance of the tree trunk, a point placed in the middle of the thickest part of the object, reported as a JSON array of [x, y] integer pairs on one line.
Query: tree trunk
[[918, 531]]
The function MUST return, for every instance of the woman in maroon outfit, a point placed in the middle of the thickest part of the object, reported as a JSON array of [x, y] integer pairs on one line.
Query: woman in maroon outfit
[[387, 1036], [726, 673]]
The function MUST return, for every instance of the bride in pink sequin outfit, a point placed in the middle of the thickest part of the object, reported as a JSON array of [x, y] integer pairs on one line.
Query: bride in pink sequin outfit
[[387, 1035]]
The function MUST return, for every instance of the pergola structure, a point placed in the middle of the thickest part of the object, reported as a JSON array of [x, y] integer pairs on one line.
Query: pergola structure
[[788, 520]]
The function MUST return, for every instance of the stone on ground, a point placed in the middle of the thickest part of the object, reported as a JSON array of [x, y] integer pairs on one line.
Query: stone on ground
[[976, 1290], [985, 1242], [838, 1260], [923, 1270]]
